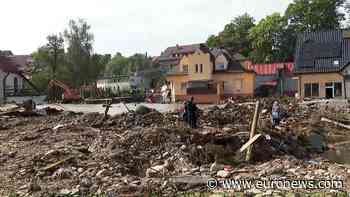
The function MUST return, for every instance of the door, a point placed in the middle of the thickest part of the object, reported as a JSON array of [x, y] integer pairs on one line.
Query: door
[[329, 93]]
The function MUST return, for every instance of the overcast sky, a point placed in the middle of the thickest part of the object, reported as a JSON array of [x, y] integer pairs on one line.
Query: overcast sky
[[126, 26]]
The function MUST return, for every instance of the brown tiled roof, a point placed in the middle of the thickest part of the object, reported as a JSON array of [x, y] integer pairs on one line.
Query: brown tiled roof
[[7, 65], [167, 57]]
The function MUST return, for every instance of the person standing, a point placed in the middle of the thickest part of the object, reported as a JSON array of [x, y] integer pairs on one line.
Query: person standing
[[275, 112], [164, 92], [192, 113]]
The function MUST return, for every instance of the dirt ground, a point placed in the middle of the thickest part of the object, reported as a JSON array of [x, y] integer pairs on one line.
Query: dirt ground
[[139, 154]]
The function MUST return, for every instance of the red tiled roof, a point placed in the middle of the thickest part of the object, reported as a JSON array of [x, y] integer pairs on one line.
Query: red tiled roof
[[271, 69], [7, 65]]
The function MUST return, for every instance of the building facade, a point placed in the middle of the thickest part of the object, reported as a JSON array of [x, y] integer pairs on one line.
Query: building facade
[[322, 64], [11, 81], [210, 75], [275, 79]]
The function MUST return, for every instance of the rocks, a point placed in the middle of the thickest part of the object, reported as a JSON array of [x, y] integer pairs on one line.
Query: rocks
[[62, 173], [223, 174]]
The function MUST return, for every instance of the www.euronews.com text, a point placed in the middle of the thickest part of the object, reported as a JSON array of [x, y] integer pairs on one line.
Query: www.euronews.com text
[[274, 184]]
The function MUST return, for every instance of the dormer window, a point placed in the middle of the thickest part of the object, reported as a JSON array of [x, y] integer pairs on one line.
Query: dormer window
[[220, 66]]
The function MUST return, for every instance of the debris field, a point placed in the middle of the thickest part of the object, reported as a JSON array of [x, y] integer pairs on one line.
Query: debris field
[[139, 153]]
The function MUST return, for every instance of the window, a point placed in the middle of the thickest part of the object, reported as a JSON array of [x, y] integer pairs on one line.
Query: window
[[185, 68], [220, 66], [307, 90], [201, 68], [311, 90], [196, 68], [183, 86], [338, 89], [315, 89]]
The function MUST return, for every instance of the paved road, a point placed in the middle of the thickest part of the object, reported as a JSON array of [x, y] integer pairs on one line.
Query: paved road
[[114, 110]]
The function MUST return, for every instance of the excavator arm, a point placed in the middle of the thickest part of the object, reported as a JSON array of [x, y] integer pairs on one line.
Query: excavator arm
[[69, 94]]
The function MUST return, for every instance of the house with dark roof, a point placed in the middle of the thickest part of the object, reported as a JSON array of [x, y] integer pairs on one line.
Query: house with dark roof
[[210, 75], [171, 57], [322, 64]]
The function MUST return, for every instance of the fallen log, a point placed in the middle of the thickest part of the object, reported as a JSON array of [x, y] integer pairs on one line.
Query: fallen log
[[323, 119]]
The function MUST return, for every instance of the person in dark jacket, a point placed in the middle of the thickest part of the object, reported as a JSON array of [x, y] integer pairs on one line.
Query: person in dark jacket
[[192, 113], [185, 112]]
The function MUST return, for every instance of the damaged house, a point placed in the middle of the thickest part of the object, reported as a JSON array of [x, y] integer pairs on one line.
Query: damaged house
[[322, 64], [210, 75], [12, 80]]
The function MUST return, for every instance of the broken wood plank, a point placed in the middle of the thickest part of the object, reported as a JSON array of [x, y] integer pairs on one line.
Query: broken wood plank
[[54, 165], [250, 142], [253, 128], [323, 119]]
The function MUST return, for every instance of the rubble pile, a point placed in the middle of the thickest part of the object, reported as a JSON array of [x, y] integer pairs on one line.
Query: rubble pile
[[139, 153]]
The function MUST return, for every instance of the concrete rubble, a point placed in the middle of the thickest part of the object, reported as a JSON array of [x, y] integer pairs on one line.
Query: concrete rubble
[[140, 153]]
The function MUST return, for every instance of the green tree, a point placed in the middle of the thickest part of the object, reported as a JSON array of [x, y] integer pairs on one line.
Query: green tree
[[315, 15], [267, 39], [118, 65], [235, 35], [138, 62], [98, 65], [55, 49], [213, 41], [79, 39]]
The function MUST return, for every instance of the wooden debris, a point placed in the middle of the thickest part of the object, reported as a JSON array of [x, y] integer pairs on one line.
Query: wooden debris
[[323, 119], [253, 128], [250, 142], [54, 165]]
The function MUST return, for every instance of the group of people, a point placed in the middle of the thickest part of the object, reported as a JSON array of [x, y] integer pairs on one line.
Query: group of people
[[190, 114]]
